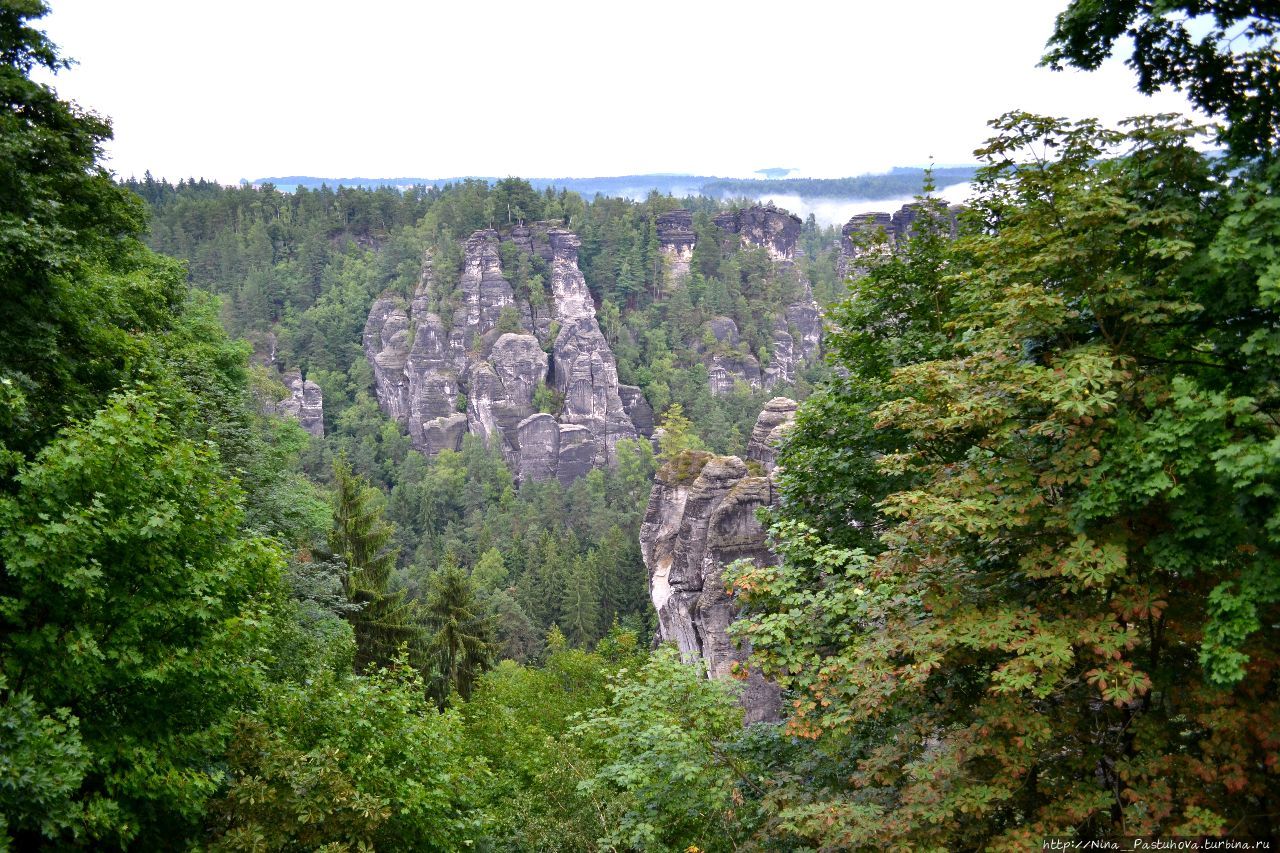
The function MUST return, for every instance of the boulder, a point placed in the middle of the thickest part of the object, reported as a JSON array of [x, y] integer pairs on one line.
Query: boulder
[[539, 437], [575, 454], [444, 433], [637, 408]]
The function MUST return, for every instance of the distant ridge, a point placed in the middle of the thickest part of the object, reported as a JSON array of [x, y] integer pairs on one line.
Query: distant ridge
[[896, 183]]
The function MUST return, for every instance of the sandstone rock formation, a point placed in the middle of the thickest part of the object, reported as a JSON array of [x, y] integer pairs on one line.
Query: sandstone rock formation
[[771, 427], [796, 338], [858, 236], [584, 370], [767, 226], [701, 517], [638, 409], [676, 241], [304, 403], [424, 366]]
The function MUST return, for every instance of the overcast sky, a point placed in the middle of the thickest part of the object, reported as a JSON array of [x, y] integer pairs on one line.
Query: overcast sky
[[233, 89]]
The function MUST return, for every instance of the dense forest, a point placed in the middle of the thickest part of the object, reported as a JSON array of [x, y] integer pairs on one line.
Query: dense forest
[[1026, 523]]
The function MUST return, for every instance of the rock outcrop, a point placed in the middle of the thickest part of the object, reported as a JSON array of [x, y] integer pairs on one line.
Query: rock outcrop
[[638, 409], [676, 241], [867, 234], [771, 427], [701, 517], [305, 403], [767, 226], [796, 338], [584, 370], [424, 366]]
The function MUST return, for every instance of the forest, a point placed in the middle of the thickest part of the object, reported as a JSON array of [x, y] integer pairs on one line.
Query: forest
[[1024, 533]]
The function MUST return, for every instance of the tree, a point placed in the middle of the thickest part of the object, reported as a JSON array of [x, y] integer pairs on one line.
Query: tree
[[668, 721], [1228, 67], [1060, 629], [126, 623], [362, 540], [60, 216], [677, 434], [344, 762], [461, 643]]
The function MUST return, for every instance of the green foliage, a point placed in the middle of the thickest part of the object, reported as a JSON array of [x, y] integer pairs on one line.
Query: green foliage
[[668, 773], [352, 762], [361, 539], [678, 434], [43, 765], [461, 645], [1226, 65], [1056, 625], [519, 720], [127, 604]]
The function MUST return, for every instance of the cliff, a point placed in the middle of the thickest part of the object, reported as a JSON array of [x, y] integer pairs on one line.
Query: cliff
[[676, 241], [796, 338], [424, 367], [701, 516], [869, 233]]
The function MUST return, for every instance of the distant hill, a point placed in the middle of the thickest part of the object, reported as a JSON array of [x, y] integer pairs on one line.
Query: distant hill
[[896, 183]]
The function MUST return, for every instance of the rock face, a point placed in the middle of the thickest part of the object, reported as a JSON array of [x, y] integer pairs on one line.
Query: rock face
[[777, 418], [638, 409], [771, 227], [305, 403], [424, 366], [584, 369], [897, 228], [700, 518], [676, 241], [796, 338]]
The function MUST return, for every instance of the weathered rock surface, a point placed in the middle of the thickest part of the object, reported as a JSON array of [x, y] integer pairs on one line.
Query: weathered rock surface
[[700, 518], [305, 403], [539, 437], [771, 427], [858, 235], [583, 367], [485, 292], [432, 372], [797, 335], [767, 226], [386, 344], [638, 409], [676, 240], [576, 452], [422, 365], [726, 370], [444, 433]]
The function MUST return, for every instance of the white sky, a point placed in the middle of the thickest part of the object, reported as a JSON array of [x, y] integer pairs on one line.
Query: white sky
[[234, 89]]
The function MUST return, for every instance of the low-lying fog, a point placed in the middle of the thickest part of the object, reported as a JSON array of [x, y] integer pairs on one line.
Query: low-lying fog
[[836, 211]]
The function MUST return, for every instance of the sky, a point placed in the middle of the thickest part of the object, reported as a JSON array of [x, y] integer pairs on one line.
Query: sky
[[234, 90]]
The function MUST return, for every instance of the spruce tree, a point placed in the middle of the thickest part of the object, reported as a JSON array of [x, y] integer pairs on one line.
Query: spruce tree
[[361, 538], [461, 645]]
